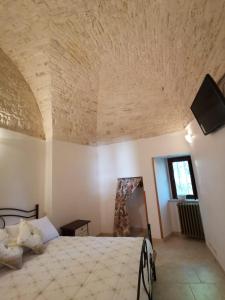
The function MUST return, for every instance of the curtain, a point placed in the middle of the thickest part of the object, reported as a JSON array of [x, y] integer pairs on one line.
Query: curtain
[[125, 188]]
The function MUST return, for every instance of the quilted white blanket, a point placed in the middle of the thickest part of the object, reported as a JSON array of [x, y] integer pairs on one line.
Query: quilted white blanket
[[98, 268]]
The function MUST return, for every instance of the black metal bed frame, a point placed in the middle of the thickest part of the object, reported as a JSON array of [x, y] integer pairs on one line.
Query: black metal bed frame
[[153, 262], [146, 261], [10, 212]]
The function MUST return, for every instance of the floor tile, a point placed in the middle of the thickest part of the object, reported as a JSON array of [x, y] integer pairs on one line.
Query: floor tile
[[210, 273], [186, 269], [177, 274], [206, 291], [172, 292]]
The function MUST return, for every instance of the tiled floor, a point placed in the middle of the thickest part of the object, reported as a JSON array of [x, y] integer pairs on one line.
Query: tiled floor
[[186, 270]]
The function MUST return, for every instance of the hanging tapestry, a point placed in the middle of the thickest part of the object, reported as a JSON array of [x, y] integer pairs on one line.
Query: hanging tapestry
[[125, 188]]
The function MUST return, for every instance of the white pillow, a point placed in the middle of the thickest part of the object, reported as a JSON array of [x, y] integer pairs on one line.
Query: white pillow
[[10, 253], [13, 232], [3, 236], [30, 237], [47, 229], [11, 256]]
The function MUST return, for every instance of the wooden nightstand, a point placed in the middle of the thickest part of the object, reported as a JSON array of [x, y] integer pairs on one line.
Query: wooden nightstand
[[76, 228]]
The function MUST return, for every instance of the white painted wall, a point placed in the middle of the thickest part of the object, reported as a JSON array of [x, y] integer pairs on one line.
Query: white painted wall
[[174, 216], [208, 156], [48, 205], [133, 158], [72, 181], [164, 195], [75, 184], [22, 170], [60, 176]]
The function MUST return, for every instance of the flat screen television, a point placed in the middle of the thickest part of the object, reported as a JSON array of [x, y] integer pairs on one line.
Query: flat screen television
[[208, 106]]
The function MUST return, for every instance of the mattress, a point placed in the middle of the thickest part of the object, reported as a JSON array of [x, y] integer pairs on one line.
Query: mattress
[[77, 268]]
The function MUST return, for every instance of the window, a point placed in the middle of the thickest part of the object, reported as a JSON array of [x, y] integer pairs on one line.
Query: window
[[182, 177]]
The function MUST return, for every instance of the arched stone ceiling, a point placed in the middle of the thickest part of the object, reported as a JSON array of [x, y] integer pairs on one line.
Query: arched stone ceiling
[[108, 70], [18, 108], [24, 37]]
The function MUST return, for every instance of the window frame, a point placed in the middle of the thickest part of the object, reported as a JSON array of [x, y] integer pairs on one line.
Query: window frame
[[172, 178]]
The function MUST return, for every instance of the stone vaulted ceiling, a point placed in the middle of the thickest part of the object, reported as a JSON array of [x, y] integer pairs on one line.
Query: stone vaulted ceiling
[[18, 108], [107, 70]]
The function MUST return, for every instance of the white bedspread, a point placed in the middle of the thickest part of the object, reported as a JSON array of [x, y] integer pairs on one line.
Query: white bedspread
[[77, 268]]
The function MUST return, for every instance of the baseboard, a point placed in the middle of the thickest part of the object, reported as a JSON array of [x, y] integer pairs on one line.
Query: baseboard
[[134, 232], [172, 234], [176, 234], [214, 253], [156, 240], [102, 234], [138, 229]]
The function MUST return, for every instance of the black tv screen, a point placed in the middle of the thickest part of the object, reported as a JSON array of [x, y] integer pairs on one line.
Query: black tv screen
[[208, 106]]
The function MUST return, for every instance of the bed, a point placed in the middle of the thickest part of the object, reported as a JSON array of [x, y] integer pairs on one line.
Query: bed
[[82, 268]]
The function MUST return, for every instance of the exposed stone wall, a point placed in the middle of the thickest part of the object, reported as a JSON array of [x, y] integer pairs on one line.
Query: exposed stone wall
[[106, 70], [18, 108]]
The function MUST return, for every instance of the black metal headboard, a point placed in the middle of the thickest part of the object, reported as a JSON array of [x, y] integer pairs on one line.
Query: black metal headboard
[[12, 212]]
